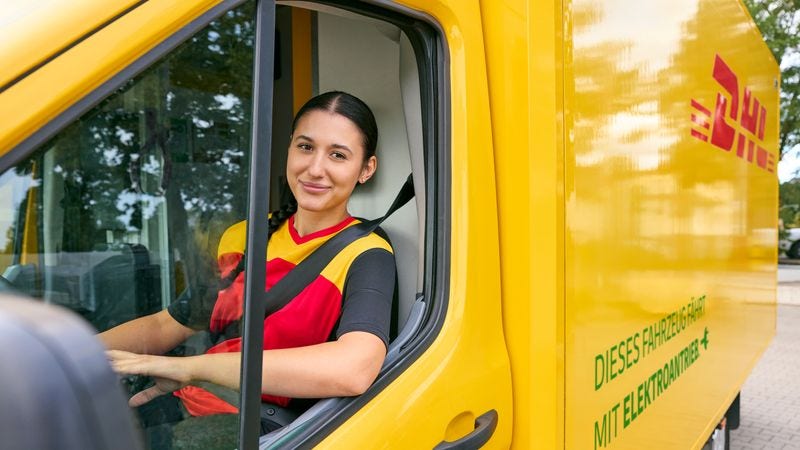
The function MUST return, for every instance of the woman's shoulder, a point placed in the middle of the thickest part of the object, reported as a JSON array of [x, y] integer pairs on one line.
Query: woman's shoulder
[[233, 239], [364, 249]]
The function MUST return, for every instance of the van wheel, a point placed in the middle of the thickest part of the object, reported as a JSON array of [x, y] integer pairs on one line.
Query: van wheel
[[794, 250]]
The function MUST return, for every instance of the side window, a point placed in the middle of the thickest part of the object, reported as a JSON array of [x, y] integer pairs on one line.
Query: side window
[[119, 214], [378, 56]]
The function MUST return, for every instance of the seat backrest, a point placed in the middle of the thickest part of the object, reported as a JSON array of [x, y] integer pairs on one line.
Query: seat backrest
[[351, 47], [58, 390]]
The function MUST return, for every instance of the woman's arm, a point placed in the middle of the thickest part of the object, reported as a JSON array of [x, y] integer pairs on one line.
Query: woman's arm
[[344, 367], [155, 334]]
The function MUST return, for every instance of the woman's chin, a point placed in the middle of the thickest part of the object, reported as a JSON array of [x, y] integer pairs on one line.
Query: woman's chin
[[314, 207]]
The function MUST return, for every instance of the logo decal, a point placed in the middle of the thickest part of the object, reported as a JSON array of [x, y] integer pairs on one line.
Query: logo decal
[[725, 126]]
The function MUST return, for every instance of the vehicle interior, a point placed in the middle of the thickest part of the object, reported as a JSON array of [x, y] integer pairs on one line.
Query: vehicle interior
[[108, 219]]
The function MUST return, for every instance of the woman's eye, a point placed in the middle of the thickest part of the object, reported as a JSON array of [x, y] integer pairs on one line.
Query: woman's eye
[[304, 147], [338, 155]]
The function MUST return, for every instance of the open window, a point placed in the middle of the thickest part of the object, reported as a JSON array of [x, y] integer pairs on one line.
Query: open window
[[392, 62], [117, 213], [107, 217]]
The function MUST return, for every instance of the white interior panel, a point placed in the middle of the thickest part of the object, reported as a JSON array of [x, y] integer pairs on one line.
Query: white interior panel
[[362, 57]]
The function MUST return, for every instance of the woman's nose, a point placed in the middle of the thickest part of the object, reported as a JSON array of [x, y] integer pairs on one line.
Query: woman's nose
[[316, 167]]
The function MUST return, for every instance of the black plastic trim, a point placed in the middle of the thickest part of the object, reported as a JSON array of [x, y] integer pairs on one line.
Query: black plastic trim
[[433, 62], [484, 429], [43, 134], [70, 45], [258, 209], [732, 417]]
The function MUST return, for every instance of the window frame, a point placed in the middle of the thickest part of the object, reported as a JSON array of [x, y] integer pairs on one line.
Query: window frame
[[249, 416], [258, 208]]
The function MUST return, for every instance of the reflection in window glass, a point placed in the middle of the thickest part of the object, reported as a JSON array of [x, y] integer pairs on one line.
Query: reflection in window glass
[[119, 215]]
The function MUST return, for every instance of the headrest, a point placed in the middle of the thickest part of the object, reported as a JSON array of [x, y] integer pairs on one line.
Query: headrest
[[58, 390]]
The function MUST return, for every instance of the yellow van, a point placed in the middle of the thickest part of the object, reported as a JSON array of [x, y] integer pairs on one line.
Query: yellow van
[[591, 260]]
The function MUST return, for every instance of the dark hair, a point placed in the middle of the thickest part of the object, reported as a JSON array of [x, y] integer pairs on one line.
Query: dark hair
[[336, 102], [349, 106]]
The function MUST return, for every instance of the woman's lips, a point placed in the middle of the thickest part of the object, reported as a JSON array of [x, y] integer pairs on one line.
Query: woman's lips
[[314, 188]]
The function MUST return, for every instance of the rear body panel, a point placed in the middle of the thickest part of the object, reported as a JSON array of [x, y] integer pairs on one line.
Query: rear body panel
[[624, 199], [671, 216]]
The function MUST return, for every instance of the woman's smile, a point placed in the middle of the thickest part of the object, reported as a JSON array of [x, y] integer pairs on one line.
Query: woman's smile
[[314, 188]]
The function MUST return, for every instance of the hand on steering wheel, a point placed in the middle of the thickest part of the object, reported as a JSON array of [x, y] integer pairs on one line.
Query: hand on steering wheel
[[164, 370]]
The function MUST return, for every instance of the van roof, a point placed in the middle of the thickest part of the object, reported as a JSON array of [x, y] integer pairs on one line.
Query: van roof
[[35, 31]]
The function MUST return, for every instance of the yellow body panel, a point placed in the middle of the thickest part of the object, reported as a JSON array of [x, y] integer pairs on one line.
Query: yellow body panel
[[524, 47], [301, 54], [657, 216], [65, 79], [25, 44]]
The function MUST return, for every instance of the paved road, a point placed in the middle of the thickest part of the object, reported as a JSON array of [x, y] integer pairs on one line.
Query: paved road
[[789, 273], [771, 396]]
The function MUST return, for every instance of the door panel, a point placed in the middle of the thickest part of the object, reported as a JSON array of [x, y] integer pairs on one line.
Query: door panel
[[107, 217]]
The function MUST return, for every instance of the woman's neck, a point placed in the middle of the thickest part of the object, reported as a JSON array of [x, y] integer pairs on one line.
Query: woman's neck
[[308, 222]]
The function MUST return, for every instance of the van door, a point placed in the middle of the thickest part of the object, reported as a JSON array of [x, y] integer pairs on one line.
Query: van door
[[102, 158], [451, 382]]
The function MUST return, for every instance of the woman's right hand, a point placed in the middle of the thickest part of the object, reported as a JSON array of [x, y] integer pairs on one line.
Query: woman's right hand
[[167, 372]]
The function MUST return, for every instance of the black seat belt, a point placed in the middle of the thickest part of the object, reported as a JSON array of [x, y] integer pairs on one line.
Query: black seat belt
[[288, 287]]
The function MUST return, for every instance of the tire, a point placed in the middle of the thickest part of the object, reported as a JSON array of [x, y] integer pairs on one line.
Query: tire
[[794, 250]]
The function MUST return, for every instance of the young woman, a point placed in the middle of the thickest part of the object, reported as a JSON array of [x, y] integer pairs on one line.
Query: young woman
[[328, 341]]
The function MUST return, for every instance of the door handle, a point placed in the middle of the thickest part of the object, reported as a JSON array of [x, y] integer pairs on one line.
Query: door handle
[[484, 429]]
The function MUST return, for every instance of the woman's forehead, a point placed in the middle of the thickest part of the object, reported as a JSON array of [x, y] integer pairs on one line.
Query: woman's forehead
[[321, 125]]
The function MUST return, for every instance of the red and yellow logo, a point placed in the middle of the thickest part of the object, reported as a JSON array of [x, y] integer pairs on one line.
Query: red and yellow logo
[[729, 125]]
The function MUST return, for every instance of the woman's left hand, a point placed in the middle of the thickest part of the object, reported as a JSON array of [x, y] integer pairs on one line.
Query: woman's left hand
[[168, 373]]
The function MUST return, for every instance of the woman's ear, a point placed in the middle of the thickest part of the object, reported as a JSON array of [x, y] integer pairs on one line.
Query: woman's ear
[[368, 170]]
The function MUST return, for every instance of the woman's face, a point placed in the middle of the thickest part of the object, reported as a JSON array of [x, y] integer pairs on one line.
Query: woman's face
[[326, 160]]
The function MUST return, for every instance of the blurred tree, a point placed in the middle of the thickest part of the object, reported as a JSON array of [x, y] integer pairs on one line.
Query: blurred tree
[[789, 212], [779, 22]]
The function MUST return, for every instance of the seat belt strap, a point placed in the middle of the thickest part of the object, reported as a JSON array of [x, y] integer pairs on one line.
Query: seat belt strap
[[288, 287]]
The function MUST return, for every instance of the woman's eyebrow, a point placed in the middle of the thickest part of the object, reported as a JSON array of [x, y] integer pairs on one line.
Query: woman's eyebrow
[[342, 147], [336, 146]]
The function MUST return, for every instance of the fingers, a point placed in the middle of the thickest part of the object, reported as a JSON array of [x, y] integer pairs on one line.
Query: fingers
[[127, 363], [118, 355]]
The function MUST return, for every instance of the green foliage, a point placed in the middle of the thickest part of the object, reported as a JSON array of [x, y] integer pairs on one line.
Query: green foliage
[[778, 21], [789, 194]]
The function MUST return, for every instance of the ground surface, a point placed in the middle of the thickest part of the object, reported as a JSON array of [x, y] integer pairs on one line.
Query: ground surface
[[771, 396]]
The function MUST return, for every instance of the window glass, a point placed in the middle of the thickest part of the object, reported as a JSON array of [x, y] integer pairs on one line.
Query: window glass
[[119, 215]]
